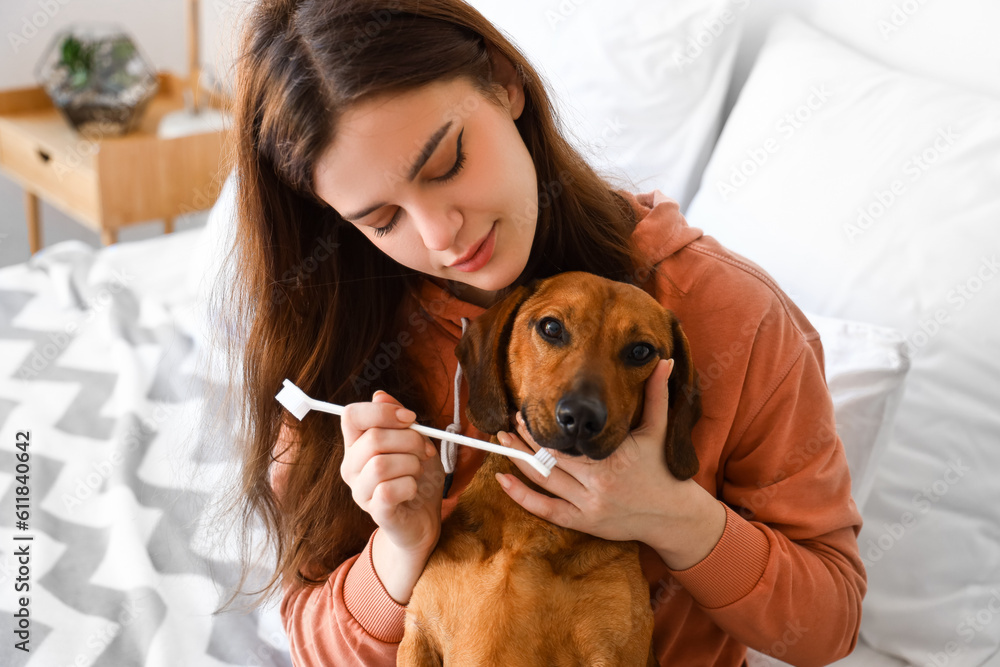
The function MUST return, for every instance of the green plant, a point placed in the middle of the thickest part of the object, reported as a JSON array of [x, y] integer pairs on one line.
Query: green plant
[[78, 58]]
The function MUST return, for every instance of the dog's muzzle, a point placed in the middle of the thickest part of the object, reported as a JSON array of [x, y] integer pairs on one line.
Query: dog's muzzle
[[581, 419]]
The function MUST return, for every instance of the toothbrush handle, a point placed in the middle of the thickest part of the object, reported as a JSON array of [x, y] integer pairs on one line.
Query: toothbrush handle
[[465, 440], [335, 409], [487, 446], [323, 406]]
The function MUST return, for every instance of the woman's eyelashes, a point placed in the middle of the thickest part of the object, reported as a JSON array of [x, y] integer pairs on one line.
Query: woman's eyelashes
[[385, 229], [459, 163]]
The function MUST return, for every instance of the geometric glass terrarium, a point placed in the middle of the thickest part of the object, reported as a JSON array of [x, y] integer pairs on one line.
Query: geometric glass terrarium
[[97, 77]]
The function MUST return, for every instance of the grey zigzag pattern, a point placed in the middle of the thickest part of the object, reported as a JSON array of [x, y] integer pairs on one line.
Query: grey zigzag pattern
[[234, 637]]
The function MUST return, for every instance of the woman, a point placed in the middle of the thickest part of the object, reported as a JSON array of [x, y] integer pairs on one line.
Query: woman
[[400, 168]]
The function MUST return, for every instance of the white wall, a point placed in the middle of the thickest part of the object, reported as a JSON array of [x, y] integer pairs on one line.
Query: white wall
[[27, 27], [158, 26]]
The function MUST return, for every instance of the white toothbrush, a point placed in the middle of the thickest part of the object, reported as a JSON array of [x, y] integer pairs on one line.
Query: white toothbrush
[[299, 404]]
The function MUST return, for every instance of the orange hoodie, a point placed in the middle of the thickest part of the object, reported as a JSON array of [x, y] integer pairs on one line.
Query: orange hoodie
[[786, 577]]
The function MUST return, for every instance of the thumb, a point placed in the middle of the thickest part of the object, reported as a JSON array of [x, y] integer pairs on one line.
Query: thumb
[[654, 409], [381, 396]]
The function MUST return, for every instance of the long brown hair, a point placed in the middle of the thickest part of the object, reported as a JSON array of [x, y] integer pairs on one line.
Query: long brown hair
[[313, 299]]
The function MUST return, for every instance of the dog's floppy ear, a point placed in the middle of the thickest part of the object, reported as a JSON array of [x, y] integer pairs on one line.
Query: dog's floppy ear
[[683, 408], [483, 355]]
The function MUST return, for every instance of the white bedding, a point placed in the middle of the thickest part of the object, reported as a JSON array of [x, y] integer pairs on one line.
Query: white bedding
[[98, 359], [882, 206]]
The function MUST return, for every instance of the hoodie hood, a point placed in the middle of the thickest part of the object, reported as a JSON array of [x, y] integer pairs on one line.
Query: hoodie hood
[[662, 229]]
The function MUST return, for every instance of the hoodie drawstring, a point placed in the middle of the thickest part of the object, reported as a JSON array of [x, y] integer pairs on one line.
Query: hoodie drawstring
[[449, 449]]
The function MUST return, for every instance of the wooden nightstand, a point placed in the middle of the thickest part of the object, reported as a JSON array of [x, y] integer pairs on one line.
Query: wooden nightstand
[[110, 182]]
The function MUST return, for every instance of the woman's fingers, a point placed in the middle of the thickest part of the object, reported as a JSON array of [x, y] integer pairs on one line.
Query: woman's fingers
[[377, 441], [385, 470], [553, 510], [558, 482], [392, 493], [659, 198], [383, 412], [379, 427]]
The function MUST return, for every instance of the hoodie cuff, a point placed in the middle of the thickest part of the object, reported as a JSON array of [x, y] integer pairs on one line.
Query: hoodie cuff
[[369, 602], [732, 569]]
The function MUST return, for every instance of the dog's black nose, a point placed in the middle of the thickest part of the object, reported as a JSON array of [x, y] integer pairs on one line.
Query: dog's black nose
[[580, 416]]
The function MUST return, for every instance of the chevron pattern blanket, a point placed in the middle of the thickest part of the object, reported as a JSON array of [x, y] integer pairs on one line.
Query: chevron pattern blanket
[[112, 462]]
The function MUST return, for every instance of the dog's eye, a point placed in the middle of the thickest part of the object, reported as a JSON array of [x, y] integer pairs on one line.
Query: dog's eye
[[551, 328], [641, 353]]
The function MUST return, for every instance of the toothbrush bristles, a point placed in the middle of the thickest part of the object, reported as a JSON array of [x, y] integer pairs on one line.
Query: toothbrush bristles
[[294, 399], [545, 458]]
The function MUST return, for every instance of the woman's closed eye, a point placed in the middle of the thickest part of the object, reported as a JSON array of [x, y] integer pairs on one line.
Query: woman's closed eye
[[444, 178], [459, 162]]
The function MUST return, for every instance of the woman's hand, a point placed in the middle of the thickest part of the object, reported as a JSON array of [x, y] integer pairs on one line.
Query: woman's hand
[[630, 495], [394, 473]]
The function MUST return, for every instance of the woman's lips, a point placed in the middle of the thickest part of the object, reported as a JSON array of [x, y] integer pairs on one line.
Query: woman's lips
[[482, 254]]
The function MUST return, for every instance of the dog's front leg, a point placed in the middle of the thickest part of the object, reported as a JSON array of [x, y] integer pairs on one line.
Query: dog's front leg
[[652, 661], [417, 648]]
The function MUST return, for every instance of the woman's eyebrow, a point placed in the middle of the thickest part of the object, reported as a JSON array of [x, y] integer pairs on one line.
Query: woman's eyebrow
[[425, 154]]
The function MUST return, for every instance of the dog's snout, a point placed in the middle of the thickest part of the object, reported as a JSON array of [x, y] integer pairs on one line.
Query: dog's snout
[[581, 417]]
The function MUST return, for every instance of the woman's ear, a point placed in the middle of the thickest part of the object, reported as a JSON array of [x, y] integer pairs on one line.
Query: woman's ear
[[482, 351], [509, 77], [683, 407]]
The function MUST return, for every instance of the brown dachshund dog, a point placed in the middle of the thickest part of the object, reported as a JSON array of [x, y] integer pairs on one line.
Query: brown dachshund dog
[[504, 587]]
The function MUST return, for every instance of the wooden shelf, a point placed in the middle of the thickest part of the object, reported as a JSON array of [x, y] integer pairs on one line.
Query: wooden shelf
[[111, 182]]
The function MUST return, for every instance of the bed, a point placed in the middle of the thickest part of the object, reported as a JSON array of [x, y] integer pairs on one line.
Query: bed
[[852, 149]]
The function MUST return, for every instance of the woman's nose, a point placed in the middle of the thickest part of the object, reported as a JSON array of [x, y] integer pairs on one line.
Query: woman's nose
[[438, 229]]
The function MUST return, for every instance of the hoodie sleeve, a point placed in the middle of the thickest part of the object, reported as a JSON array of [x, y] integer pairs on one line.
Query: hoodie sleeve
[[348, 620], [786, 578]]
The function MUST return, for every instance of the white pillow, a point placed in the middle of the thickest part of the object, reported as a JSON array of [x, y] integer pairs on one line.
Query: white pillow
[[952, 41], [879, 202], [640, 83], [865, 369]]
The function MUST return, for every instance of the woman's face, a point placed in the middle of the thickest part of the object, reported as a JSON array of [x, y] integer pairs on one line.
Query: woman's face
[[439, 179]]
